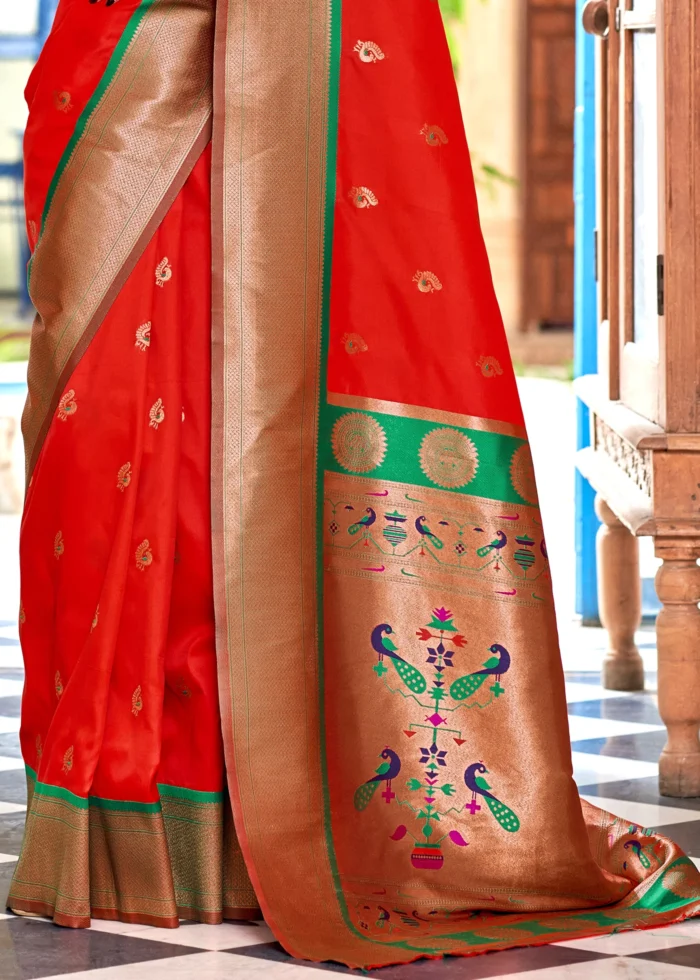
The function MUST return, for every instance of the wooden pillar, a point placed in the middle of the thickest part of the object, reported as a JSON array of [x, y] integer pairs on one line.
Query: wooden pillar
[[678, 640], [620, 601]]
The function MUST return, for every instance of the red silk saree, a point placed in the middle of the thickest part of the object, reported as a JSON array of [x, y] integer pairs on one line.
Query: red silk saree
[[286, 610]]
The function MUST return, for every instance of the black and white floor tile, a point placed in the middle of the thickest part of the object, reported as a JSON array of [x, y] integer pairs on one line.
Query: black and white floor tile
[[616, 741]]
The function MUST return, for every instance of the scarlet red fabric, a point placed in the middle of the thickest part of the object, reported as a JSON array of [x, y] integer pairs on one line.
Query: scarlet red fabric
[[121, 688], [410, 347]]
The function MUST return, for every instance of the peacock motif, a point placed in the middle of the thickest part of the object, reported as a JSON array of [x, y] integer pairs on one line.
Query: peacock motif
[[143, 336], [384, 646], [474, 780], [387, 771], [164, 272], [427, 282], [427, 535], [363, 197], [434, 136], [364, 523], [369, 51], [67, 406], [498, 544], [496, 666]]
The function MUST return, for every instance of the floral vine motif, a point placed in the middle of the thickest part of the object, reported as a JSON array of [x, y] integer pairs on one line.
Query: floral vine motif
[[369, 51], [429, 793], [427, 282]]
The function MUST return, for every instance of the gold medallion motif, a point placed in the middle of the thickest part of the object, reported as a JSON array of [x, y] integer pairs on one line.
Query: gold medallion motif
[[359, 442], [164, 273], [448, 458], [369, 51], [434, 136], [68, 760], [58, 684], [144, 555], [427, 282], [95, 620], [143, 336], [157, 414], [363, 197], [489, 367], [62, 101], [354, 343], [124, 477], [67, 406], [58, 545], [136, 702], [522, 474]]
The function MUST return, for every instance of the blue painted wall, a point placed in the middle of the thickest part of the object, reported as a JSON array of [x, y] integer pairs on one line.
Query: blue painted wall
[[586, 308]]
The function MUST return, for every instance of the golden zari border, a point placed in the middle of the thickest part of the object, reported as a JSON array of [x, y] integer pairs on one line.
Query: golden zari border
[[269, 204], [135, 153]]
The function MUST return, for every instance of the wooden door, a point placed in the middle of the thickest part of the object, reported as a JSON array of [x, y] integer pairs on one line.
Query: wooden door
[[548, 236]]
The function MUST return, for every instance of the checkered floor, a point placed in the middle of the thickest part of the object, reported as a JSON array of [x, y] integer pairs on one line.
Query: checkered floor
[[616, 742]]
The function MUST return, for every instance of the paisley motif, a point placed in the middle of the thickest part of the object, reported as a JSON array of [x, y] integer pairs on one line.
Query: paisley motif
[[359, 442], [58, 684], [164, 273], [489, 366], [144, 555], [449, 458], [363, 197], [22, 615], [157, 414], [58, 545], [67, 406], [68, 760], [522, 474], [136, 702], [369, 51], [434, 136], [62, 101], [427, 282], [143, 336], [354, 343], [124, 477]]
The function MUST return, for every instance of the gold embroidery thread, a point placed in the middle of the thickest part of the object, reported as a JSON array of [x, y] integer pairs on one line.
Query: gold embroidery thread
[[164, 273], [58, 545], [369, 51], [427, 282], [358, 442], [157, 414], [354, 343], [67, 406], [143, 336], [363, 197], [489, 367], [124, 477], [136, 702], [62, 101], [144, 555], [434, 136], [448, 458]]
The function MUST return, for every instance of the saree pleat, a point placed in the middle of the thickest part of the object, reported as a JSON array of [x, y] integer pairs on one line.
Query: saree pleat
[[287, 614]]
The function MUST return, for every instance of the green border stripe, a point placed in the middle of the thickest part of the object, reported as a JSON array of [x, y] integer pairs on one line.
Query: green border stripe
[[166, 792], [402, 463]]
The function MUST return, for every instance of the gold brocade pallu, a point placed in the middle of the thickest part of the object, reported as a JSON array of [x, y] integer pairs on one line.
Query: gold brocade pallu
[[282, 544]]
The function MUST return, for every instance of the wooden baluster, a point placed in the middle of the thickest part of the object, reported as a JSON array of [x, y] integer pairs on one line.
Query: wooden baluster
[[678, 640], [620, 601]]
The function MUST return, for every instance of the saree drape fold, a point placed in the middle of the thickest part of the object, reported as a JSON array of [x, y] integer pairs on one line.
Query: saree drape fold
[[286, 609]]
